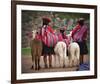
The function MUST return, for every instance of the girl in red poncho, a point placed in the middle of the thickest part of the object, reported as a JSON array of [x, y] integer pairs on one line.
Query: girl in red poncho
[[79, 35], [62, 31], [46, 50]]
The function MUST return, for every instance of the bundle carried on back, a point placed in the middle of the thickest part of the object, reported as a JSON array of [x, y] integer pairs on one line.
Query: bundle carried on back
[[49, 38]]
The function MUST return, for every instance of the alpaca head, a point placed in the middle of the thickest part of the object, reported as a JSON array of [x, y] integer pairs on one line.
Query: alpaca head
[[31, 35], [70, 37], [34, 33]]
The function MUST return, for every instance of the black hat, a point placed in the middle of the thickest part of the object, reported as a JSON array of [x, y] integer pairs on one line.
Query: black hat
[[46, 19], [81, 21]]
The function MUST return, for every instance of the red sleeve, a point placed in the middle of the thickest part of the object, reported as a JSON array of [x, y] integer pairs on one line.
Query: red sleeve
[[65, 36], [75, 29], [85, 35], [50, 29]]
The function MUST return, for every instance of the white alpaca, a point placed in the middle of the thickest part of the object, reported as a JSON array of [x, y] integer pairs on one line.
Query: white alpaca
[[60, 51], [74, 54]]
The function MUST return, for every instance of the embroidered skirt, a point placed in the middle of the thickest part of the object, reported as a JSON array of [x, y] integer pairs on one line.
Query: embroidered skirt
[[47, 50], [83, 47]]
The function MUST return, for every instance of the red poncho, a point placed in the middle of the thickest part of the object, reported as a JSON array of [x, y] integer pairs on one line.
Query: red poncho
[[49, 38], [79, 33]]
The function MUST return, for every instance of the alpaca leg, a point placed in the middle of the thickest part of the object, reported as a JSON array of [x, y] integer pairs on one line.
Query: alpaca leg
[[36, 65], [57, 61], [71, 59], [33, 65], [61, 61], [38, 62], [34, 57], [70, 62], [65, 57], [72, 55], [66, 61], [38, 58], [56, 57], [61, 56], [75, 61], [33, 62], [78, 55]]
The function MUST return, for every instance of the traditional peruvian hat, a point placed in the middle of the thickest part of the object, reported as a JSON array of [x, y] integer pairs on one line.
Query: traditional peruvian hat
[[46, 19], [81, 20]]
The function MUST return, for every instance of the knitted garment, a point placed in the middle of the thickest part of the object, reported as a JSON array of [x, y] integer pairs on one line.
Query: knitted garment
[[79, 33], [49, 38]]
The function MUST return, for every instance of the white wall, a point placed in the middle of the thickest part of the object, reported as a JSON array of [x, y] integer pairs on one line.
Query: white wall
[[5, 45]]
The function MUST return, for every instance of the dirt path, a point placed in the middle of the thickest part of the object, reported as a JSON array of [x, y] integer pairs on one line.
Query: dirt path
[[27, 63]]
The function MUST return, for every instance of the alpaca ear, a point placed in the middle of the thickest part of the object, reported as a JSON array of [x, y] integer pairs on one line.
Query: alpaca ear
[[70, 33], [33, 31]]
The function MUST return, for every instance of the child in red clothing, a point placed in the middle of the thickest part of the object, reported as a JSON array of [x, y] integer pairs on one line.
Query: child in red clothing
[[62, 31], [79, 32], [46, 50], [79, 35]]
